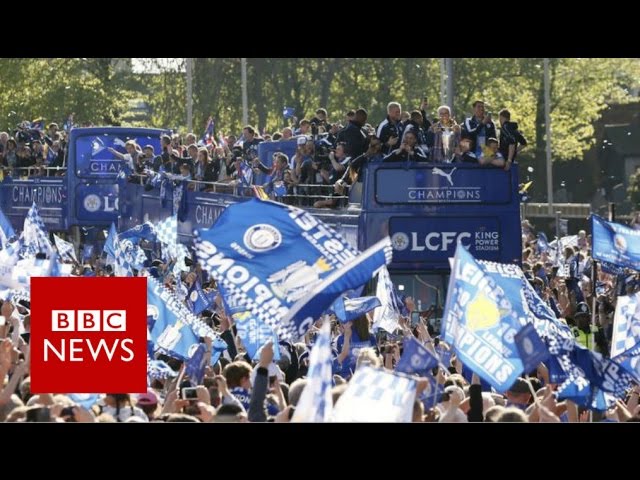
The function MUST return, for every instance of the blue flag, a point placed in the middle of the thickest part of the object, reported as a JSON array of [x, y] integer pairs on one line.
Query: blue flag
[[199, 300], [109, 245], [444, 354], [146, 231], [288, 112], [282, 264], [543, 243], [348, 309], [207, 137], [531, 348], [480, 322], [255, 335], [160, 370], [6, 230], [416, 358], [87, 251], [196, 365], [615, 243], [172, 328]]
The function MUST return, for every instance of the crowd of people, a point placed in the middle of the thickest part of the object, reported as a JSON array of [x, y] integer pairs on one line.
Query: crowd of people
[[237, 388]]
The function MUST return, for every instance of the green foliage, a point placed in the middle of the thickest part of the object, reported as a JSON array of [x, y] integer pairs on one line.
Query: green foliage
[[92, 88]]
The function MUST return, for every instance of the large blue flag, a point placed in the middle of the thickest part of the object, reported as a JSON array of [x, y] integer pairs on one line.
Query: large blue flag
[[480, 322], [172, 330], [348, 309], [283, 264], [6, 230], [615, 243], [416, 358], [199, 300]]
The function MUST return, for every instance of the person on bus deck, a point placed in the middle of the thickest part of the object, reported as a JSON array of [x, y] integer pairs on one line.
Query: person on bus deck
[[494, 157], [478, 128], [52, 133], [409, 150], [390, 129], [444, 136], [191, 159], [466, 155], [25, 159], [373, 154], [354, 134], [417, 124], [250, 144], [511, 140], [165, 153], [131, 156]]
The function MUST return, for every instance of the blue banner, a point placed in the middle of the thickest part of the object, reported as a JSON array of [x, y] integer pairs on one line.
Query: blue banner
[[95, 159], [282, 264], [348, 309], [413, 237], [615, 243], [445, 183], [480, 322], [99, 203]]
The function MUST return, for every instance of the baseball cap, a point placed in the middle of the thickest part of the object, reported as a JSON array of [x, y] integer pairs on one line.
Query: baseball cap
[[149, 398], [302, 140], [150, 147]]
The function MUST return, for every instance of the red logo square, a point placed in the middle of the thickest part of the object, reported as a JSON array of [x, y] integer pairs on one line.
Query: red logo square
[[88, 334]]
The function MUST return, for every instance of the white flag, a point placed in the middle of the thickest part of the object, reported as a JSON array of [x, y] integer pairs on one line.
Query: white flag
[[376, 395]]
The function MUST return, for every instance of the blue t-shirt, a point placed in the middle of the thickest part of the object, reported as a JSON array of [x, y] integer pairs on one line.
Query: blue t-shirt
[[356, 344]]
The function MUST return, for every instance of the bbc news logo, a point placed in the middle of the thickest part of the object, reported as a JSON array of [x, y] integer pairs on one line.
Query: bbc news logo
[[88, 321], [88, 335]]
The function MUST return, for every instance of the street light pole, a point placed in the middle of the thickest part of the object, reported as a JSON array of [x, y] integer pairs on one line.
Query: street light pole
[[450, 87], [547, 127], [189, 94], [245, 101]]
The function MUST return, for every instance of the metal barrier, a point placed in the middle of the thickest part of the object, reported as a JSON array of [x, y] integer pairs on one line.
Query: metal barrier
[[33, 171], [235, 188], [567, 210]]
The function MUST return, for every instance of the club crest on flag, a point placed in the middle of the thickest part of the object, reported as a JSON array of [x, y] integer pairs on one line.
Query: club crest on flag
[[262, 238]]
